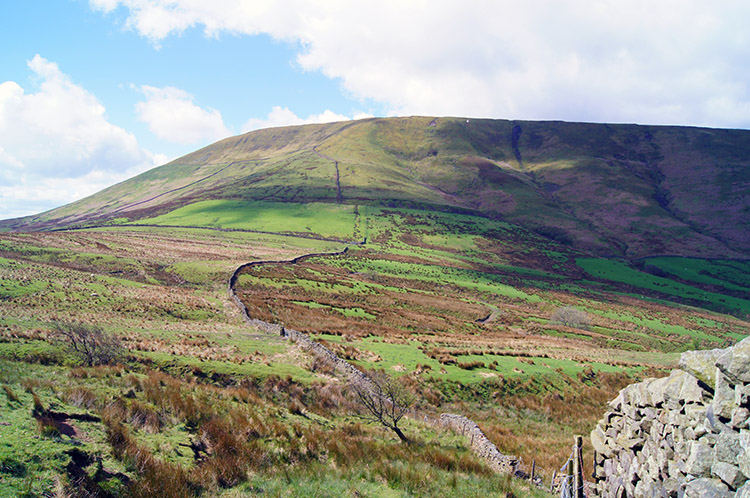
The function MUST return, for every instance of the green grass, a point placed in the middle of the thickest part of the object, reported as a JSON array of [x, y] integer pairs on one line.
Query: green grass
[[466, 278], [326, 220], [401, 359], [620, 272], [732, 275]]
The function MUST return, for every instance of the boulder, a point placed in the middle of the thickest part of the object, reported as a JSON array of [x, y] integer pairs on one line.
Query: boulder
[[700, 459], [723, 403], [599, 442], [735, 362], [701, 364], [674, 384], [727, 447], [691, 391], [704, 487], [728, 473], [740, 418], [744, 491]]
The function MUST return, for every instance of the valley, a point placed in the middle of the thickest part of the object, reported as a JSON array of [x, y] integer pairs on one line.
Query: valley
[[519, 278]]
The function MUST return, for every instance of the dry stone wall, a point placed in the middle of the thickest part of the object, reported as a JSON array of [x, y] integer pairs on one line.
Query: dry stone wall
[[686, 435], [480, 444]]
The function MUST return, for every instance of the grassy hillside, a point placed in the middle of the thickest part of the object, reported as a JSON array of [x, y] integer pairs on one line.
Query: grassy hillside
[[518, 273], [614, 190]]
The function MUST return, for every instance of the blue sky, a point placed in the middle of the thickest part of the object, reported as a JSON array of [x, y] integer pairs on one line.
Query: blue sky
[[95, 91]]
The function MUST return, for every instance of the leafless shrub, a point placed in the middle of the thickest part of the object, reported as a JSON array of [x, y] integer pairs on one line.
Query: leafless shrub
[[90, 344], [383, 400], [571, 317]]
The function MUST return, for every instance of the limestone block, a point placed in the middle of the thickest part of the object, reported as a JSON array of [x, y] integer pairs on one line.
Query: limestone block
[[744, 491], [677, 419], [742, 394], [745, 439], [735, 362], [727, 447], [656, 390], [740, 418], [674, 384], [700, 459], [599, 442], [728, 473], [723, 403], [709, 439], [743, 461], [695, 413], [691, 392], [701, 364], [672, 485], [637, 394], [616, 404], [705, 487], [674, 470], [700, 430]]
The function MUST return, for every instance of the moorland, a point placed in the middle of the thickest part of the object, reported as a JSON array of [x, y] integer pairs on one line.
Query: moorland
[[518, 273]]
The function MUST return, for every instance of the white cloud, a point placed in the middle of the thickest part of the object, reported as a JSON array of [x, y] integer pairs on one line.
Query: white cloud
[[282, 116], [172, 115], [56, 144], [673, 61]]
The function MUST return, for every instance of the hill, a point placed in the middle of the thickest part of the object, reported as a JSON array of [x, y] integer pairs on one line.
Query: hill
[[471, 262], [613, 190]]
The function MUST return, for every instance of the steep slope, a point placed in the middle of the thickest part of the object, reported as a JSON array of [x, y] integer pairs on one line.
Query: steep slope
[[624, 190]]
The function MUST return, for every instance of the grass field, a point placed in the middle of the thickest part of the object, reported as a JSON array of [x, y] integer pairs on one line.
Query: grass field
[[461, 309]]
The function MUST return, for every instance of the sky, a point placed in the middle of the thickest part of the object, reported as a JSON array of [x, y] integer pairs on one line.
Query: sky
[[95, 91]]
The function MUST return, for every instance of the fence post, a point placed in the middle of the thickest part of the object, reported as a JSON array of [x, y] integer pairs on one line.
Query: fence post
[[569, 482], [552, 486], [578, 468]]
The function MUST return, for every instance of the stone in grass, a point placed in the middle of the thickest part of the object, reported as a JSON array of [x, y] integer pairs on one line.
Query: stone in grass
[[701, 364], [705, 487]]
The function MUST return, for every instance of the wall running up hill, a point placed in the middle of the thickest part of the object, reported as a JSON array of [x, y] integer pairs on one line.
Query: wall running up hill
[[686, 435]]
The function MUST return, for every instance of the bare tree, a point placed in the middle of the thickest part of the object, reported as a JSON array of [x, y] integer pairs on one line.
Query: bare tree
[[89, 343], [383, 400], [572, 317]]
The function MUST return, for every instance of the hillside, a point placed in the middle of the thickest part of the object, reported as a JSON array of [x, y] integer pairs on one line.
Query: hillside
[[612, 190], [518, 274]]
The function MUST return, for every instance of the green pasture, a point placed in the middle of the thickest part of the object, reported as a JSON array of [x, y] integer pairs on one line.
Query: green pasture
[[732, 275], [404, 358], [620, 272], [322, 219]]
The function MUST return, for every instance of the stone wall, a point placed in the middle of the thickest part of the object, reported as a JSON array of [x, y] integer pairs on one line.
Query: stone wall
[[482, 446], [479, 443], [686, 435]]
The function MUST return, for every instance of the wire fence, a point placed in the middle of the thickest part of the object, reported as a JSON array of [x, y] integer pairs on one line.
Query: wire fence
[[568, 482]]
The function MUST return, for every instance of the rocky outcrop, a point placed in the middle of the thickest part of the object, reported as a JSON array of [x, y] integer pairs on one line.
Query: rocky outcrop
[[686, 435]]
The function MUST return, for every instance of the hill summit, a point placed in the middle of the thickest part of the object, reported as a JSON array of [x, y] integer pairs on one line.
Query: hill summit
[[614, 190]]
